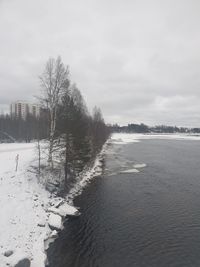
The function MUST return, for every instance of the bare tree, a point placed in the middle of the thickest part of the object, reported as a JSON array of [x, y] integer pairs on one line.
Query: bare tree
[[54, 83], [39, 158]]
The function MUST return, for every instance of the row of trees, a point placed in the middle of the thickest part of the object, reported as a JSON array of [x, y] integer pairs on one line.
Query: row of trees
[[18, 129], [74, 136], [142, 128]]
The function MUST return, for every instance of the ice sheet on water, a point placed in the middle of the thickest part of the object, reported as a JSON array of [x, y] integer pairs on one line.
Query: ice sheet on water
[[122, 138], [130, 171], [138, 166]]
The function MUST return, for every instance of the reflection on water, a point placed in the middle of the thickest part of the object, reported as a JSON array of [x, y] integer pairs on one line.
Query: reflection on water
[[150, 218]]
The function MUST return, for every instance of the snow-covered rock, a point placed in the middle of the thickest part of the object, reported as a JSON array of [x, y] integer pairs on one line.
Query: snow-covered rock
[[64, 209], [8, 253], [19, 259], [53, 234], [23, 263], [67, 209], [55, 221]]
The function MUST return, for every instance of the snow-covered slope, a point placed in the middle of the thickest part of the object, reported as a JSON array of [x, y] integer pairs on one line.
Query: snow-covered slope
[[24, 208], [22, 203]]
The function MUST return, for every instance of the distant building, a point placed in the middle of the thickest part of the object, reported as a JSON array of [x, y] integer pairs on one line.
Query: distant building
[[21, 109]]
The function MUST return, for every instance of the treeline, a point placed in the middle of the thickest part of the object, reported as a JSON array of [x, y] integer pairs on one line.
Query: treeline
[[20, 130], [75, 136], [142, 128]]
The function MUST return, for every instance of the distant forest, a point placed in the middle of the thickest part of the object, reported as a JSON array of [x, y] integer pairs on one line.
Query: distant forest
[[142, 128], [15, 129], [20, 130]]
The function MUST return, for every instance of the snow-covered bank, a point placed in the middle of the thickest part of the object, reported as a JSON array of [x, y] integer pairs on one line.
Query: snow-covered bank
[[30, 215], [28, 212], [87, 175]]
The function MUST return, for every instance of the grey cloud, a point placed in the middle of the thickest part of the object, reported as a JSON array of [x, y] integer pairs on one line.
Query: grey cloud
[[138, 60]]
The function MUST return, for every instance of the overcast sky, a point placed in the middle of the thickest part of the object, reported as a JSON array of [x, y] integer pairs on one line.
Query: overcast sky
[[138, 60]]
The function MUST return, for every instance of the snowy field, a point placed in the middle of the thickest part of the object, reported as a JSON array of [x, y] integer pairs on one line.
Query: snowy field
[[22, 203], [30, 216], [28, 213]]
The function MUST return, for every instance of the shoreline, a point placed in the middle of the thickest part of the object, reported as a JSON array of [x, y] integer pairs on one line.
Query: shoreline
[[85, 177], [32, 215], [44, 213]]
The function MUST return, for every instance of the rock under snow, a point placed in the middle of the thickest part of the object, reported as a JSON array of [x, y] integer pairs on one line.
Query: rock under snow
[[68, 210], [23, 263], [8, 253], [19, 259], [55, 221], [64, 210]]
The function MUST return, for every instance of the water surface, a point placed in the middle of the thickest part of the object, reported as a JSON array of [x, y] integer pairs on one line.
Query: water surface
[[150, 218]]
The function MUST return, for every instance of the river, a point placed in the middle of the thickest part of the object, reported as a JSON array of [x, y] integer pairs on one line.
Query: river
[[149, 218]]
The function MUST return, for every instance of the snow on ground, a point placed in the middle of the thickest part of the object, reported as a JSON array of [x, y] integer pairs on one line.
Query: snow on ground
[[23, 204], [24, 223]]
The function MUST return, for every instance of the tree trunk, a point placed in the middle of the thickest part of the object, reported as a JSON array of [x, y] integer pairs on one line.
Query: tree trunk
[[66, 160]]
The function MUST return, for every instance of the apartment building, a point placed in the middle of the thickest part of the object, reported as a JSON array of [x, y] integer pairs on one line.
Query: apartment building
[[21, 109]]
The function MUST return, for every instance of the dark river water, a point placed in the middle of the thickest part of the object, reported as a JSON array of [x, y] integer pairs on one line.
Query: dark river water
[[145, 219]]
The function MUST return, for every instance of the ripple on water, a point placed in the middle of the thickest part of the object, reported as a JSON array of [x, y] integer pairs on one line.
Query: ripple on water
[[153, 221]]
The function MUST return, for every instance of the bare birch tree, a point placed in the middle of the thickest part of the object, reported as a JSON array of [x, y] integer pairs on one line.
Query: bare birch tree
[[54, 84]]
